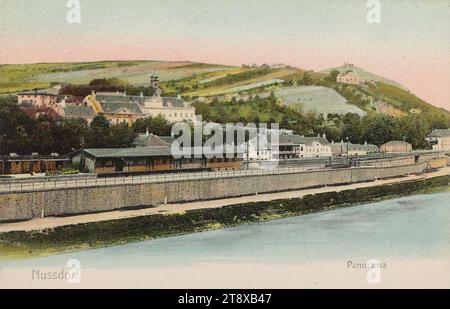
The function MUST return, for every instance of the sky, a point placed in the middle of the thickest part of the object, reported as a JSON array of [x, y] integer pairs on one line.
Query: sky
[[410, 45]]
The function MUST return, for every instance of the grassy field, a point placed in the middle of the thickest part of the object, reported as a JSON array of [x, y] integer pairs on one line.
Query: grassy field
[[21, 77], [318, 99]]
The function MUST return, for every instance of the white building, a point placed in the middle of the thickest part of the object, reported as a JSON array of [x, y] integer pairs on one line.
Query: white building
[[439, 139], [354, 150], [120, 107], [261, 146], [258, 149], [296, 147]]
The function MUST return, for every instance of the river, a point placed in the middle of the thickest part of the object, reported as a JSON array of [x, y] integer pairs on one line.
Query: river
[[407, 238]]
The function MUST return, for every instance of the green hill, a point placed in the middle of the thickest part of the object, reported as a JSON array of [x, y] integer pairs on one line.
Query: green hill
[[206, 81]]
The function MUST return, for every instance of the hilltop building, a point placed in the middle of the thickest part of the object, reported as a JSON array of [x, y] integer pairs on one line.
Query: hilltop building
[[439, 139], [122, 108], [349, 77], [396, 147]]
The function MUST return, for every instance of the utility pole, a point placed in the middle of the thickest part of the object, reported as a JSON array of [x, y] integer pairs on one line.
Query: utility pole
[[347, 151], [406, 145]]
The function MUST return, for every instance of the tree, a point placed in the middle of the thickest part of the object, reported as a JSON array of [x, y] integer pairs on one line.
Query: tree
[[15, 128], [69, 135], [42, 135], [332, 77], [157, 125], [379, 129], [122, 136], [414, 128], [307, 80], [99, 133], [352, 128]]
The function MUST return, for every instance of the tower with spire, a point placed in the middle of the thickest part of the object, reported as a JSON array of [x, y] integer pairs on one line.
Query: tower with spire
[[154, 85]]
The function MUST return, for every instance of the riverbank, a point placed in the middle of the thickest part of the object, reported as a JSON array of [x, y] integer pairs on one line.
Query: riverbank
[[183, 220], [172, 208]]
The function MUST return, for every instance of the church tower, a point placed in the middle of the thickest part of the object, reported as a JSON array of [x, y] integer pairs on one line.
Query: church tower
[[154, 85]]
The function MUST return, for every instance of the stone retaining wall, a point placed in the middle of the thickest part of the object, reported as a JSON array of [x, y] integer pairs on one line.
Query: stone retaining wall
[[16, 206]]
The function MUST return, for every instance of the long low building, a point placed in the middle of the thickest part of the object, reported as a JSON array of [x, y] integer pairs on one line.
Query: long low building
[[396, 147], [146, 160], [353, 150], [15, 164]]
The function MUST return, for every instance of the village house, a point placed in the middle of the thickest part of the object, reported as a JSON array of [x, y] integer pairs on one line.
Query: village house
[[349, 77], [439, 139], [396, 147], [340, 149], [76, 111], [37, 98], [122, 108]]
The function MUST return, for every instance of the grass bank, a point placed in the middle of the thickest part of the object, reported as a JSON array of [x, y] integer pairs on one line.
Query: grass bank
[[14, 245]]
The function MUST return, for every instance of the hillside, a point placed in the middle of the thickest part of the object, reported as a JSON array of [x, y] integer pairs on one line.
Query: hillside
[[317, 99], [203, 82], [19, 77]]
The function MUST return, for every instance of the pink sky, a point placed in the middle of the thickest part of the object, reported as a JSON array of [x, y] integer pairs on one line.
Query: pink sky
[[410, 46]]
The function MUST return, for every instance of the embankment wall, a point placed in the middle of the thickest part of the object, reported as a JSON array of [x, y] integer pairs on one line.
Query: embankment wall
[[16, 206]]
